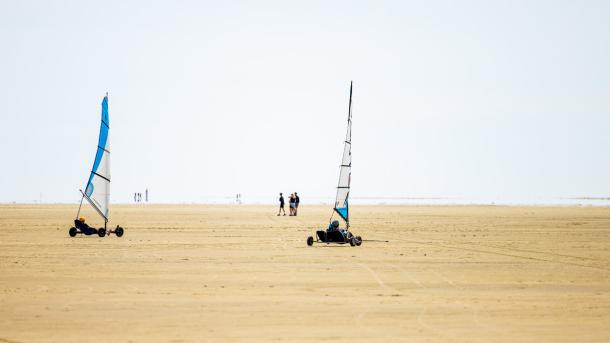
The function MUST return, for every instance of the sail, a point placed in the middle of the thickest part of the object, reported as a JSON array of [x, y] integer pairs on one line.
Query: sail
[[98, 185], [341, 202]]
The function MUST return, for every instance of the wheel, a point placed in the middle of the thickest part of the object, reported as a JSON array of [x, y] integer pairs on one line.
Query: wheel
[[118, 231], [310, 241], [358, 240], [101, 232], [73, 231], [352, 241]]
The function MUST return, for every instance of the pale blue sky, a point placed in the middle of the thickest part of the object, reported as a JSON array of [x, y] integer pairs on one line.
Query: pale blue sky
[[469, 99]]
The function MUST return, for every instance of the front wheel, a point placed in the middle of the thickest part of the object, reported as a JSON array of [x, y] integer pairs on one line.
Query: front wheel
[[310, 241], [101, 232], [118, 231], [72, 231], [352, 241], [358, 240]]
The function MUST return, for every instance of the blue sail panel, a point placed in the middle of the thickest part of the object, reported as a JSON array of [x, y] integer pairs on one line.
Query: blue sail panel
[[342, 212]]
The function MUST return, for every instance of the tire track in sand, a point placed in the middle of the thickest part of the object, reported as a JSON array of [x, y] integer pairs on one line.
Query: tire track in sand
[[513, 255]]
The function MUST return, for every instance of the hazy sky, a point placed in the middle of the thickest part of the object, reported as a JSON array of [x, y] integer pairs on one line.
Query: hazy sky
[[464, 99]]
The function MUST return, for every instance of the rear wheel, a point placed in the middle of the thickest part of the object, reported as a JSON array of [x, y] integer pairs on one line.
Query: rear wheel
[[118, 231], [310, 241], [101, 232], [73, 231], [358, 240]]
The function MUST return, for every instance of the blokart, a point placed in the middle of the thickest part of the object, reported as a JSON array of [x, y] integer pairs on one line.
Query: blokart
[[97, 191], [333, 234]]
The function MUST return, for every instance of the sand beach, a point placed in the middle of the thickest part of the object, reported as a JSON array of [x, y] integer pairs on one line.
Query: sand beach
[[186, 273]]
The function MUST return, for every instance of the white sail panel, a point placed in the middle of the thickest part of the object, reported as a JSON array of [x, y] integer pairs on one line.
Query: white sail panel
[[341, 201]]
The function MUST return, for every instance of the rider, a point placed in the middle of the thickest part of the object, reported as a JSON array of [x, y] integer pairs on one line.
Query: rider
[[84, 228], [333, 226]]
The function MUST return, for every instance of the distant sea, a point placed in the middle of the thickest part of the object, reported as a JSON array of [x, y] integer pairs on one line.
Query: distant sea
[[317, 200], [260, 200]]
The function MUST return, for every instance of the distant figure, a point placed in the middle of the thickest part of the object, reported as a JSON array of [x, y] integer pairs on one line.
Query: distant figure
[[281, 205], [292, 205], [296, 203], [146, 194], [135, 197]]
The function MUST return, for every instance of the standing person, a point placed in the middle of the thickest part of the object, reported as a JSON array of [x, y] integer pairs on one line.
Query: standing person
[[292, 205], [296, 203], [135, 197], [281, 205]]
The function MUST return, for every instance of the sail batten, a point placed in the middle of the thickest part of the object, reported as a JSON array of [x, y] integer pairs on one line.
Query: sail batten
[[343, 188], [97, 190]]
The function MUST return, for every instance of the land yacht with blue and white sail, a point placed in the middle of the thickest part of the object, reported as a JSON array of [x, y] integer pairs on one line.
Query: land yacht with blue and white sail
[[97, 189], [335, 234]]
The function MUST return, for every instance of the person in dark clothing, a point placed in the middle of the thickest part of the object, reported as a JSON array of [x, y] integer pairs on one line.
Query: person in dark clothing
[[281, 205], [83, 227], [296, 203], [292, 205], [333, 226]]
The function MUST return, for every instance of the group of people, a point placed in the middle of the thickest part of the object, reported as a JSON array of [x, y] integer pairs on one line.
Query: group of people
[[294, 204], [137, 197]]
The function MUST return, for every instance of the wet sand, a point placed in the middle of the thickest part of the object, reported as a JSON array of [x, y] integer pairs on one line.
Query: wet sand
[[240, 273]]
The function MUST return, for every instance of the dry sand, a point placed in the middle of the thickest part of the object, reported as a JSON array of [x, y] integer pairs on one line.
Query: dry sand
[[240, 273]]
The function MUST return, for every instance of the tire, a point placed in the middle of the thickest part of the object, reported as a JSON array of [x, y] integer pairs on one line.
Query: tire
[[73, 231], [358, 241], [310, 241], [352, 241], [101, 232], [118, 231]]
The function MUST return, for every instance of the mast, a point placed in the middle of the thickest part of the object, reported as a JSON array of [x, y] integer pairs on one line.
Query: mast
[[81, 204]]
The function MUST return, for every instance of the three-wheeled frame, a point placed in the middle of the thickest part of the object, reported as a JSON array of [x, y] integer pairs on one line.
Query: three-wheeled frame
[[82, 228], [335, 237]]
